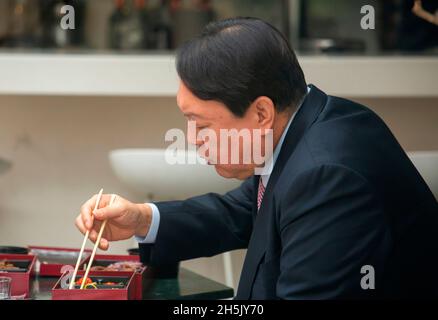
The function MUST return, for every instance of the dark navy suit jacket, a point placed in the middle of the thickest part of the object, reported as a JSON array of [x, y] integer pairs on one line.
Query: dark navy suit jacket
[[342, 195]]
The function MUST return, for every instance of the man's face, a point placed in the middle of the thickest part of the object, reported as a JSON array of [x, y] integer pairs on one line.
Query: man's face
[[212, 116]]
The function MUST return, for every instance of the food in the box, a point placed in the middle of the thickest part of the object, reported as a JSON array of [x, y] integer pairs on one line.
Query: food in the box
[[87, 281], [99, 284], [9, 266], [112, 284], [4, 264], [120, 266], [91, 285]]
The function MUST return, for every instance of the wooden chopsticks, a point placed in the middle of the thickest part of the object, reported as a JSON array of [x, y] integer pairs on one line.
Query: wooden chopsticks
[[72, 281], [96, 244]]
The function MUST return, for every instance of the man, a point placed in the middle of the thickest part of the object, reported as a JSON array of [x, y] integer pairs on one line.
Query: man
[[343, 214]]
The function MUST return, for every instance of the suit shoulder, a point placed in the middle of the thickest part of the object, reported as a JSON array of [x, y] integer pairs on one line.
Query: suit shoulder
[[340, 110], [345, 131]]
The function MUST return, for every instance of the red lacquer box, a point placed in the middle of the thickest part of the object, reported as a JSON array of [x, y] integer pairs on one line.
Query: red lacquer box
[[104, 260], [52, 259], [123, 290], [20, 283]]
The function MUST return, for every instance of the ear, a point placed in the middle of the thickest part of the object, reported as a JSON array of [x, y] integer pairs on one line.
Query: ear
[[264, 112]]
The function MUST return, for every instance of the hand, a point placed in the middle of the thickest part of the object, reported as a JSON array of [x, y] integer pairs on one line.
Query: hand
[[124, 219], [418, 6]]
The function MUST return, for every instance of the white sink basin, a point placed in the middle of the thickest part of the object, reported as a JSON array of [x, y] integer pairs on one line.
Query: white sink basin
[[147, 172]]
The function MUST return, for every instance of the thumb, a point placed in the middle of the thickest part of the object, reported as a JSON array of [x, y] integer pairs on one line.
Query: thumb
[[109, 212]]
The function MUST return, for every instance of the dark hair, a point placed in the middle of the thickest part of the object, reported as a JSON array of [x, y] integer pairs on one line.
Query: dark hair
[[237, 60]]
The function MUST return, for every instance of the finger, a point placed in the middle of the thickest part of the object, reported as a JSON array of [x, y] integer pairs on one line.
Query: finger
[[104, 244], [109, 212], [104, 201], [86, 212], [80, 224], [93, 236], [88, 220], [89, 206]]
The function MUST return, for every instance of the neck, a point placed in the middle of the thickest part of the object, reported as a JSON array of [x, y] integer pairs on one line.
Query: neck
[[280, 124]]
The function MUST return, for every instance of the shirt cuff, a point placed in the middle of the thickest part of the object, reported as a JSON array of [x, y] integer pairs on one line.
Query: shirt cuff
[[153, 229]]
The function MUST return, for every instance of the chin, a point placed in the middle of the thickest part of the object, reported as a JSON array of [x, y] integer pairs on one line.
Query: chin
[[233, 173]]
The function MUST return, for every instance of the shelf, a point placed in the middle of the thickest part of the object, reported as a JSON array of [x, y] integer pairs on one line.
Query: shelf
[[87, 74], [155, 75], [380, 77]]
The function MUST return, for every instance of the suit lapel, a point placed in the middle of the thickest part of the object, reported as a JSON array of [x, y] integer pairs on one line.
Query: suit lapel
[[309, 111]]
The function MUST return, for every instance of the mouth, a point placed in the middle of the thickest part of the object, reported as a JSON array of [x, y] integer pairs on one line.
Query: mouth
[[205, 158]]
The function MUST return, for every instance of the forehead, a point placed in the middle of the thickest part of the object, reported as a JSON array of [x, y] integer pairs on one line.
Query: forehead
[[192, 105], [185, 99]]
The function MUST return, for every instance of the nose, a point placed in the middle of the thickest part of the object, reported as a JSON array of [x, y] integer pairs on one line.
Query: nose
[[192, 139], [192, 135]]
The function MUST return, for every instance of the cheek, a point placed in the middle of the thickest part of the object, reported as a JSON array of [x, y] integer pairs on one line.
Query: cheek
[[237, 149], [222, 148]]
